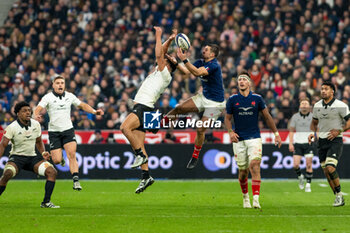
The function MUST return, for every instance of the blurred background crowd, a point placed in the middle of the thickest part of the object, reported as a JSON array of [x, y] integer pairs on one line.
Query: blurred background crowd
[[105, 49]]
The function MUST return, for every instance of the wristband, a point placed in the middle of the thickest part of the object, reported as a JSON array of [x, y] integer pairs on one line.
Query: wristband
[[185, 61], [341, 130], [277, 134], [230, 130], [42, 154], [94, 112]]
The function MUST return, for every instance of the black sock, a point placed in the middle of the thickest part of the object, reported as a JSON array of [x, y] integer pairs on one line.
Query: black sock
[[297, 170], [139, 152], [308, 176], [48, 190], [75, 176], [337, 189], [2, 189], [145, 174]]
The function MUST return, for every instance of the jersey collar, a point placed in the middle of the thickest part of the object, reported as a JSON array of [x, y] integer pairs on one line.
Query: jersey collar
[[304, 115], [329, 104], [24, 126], [250, 93], [58, 95]]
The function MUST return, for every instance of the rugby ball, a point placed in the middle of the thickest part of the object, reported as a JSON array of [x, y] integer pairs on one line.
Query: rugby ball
[[182, 41]]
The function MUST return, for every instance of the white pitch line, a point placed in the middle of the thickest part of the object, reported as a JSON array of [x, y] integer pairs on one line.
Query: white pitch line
[[186, 216]]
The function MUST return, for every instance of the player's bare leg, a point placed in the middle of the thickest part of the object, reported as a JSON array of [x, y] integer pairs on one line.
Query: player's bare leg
[[296, 166], [56, 155], [243, 181], [128, 127], [50, 174], [146, 179], [308, 174], [130, 123], [10, 171], [254, 168], [185, 107], [71, 149]]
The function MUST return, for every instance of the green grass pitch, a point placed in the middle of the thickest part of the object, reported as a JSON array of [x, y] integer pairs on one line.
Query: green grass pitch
[[172, 206]]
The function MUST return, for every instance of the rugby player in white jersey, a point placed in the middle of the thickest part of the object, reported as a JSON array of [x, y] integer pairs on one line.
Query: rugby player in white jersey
[[61, 132], [25, 134], [332, 118], [147, 95]]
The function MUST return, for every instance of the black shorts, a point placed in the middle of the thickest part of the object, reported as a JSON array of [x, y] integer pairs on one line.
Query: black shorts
[[25, 162], [303, 149], [58, 139], [139, 109], [332, 149]]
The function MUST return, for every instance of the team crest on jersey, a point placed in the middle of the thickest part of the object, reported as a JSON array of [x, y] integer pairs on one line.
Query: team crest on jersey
[[253, 103], [237, 104]]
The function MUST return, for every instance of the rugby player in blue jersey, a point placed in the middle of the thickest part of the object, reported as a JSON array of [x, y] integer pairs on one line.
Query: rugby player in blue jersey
[[211, 102], [244, 108]]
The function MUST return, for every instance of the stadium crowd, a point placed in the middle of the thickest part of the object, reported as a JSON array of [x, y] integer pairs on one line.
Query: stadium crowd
[[105, 49]]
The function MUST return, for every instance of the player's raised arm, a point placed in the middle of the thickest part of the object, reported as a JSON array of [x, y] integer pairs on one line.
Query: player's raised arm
[[167, 43], [89, 109], [201, 71], [272, 126], [159, 49]]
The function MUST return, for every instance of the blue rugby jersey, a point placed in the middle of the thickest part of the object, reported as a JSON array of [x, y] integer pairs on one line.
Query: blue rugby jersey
[[245, 111]]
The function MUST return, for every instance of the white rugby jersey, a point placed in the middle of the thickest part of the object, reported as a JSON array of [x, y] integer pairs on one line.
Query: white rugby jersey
[[301, 123], [23, 138], [152, 87], [59, 110], [330, 116]]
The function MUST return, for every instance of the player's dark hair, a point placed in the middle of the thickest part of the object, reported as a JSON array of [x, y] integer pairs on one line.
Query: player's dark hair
[[172, 65], [214, 49], [20, 105], [330, 84]]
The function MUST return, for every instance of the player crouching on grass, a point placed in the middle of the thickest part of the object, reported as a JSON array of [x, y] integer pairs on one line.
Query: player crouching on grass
[[244, 108], [147, 95], [25, 134]]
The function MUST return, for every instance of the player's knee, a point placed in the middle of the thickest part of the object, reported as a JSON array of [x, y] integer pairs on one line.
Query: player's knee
[[51, 172], [43, 168], [9, 172], [124, 129], [56, 160], [330, 169], [201, 130]]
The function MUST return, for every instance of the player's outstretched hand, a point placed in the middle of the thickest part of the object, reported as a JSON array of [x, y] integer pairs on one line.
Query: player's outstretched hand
[[333, 134], [278, 141], [234, 137], [180, 54], [158, 29], [173, 35], [46, 155], [99, 112]]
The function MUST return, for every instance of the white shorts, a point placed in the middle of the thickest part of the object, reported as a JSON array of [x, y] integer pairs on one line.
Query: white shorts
[[212, 109], [247, 150]]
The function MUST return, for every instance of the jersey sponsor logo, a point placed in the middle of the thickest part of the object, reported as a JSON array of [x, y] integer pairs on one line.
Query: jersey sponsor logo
[[245, 109], [151, 120]]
